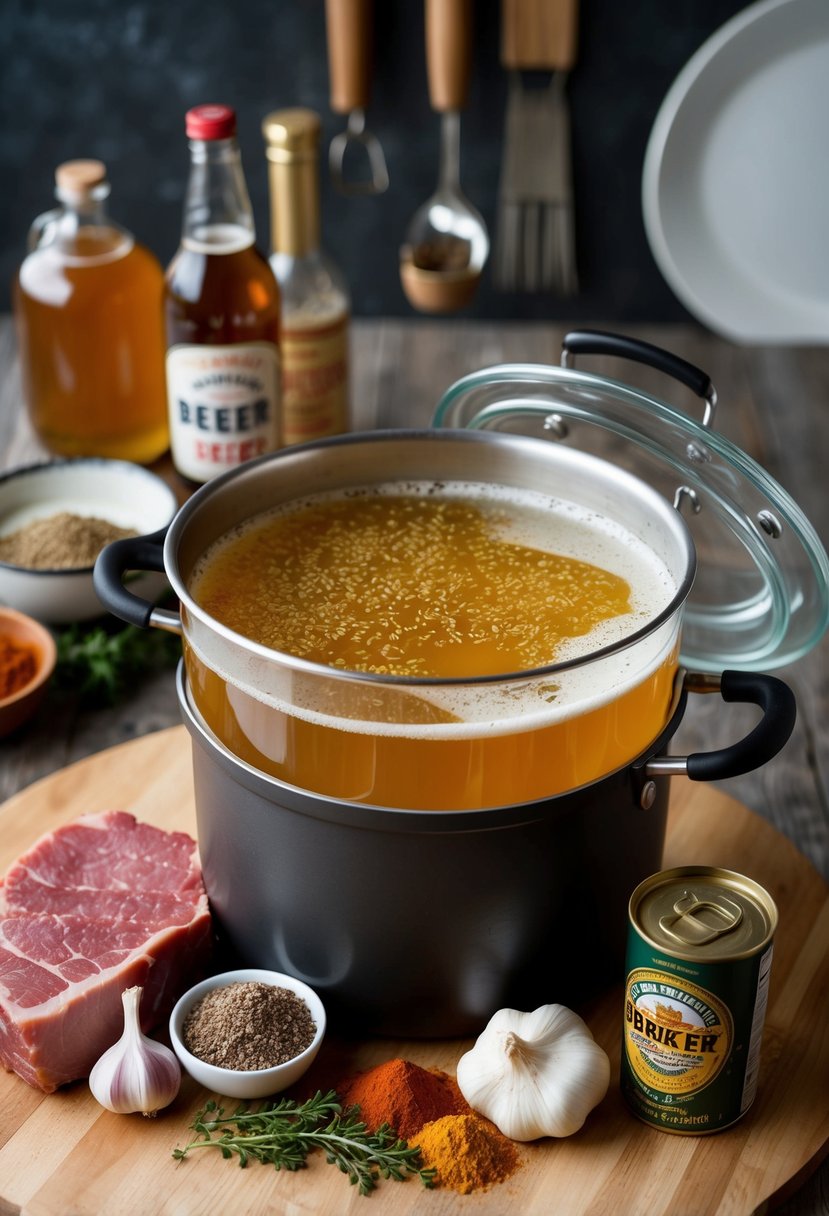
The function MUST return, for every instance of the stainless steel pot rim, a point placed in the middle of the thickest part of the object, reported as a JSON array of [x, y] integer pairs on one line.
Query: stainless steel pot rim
[[672, 519]]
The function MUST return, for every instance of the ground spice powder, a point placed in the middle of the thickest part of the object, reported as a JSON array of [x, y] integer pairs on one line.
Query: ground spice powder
[[18, 665], [248, 1025], [62, 542], [404, 1095], [468, 1153]]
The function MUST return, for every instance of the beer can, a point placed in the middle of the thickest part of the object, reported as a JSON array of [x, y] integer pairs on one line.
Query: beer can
[[700, 944]]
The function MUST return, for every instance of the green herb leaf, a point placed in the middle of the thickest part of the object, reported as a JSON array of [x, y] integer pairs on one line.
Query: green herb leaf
[[283, 1133], [100, 665]]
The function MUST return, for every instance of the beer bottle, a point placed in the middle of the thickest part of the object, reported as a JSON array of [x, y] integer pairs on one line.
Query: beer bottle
[[87, 303], [222, 312], [315, 301]]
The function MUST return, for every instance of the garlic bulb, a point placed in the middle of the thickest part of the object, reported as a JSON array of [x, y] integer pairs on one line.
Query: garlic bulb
[[535, 1074], [136, 1073]]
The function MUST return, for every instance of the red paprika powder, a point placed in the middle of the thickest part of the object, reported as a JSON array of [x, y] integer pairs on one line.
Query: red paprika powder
[[404, 1095], [18, 665]]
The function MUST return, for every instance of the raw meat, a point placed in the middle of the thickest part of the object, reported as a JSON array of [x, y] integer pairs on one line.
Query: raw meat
[[94, 907]]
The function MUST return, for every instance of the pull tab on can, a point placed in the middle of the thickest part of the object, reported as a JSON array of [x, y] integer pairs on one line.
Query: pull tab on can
[[695, 922]]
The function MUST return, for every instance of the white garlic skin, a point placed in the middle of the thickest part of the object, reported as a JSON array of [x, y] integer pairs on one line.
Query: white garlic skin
[[535, 1074], [136, 1073]]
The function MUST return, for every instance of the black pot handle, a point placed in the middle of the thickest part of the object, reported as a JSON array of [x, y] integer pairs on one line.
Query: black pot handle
[[596, 342], [114, 561], [767, 738]]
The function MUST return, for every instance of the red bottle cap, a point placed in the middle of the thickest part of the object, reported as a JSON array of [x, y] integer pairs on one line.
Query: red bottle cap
[[210, 122]]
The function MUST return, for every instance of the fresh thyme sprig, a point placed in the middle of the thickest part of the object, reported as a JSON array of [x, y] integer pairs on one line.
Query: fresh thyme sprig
[[283, 1133]]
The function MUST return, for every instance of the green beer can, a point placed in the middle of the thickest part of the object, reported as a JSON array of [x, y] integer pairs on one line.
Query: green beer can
[[699, 957]]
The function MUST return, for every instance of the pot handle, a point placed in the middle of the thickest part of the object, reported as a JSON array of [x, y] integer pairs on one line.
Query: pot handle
[[114, 561], [767, 738], [597, 342]]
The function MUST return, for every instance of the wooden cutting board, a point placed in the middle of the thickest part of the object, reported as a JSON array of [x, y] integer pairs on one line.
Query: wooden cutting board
[[63, 1154]]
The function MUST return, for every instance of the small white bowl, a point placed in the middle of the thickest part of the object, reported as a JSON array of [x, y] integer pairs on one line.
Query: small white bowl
[[125, 494], [252, 1083]]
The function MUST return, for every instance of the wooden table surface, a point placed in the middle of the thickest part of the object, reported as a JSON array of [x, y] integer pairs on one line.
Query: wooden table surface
[[774, 403]]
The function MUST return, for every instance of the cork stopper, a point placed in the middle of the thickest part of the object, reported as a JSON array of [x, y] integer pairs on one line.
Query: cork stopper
[[80, 176]]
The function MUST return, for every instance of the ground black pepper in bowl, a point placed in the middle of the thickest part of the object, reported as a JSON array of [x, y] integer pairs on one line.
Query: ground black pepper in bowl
[[248, 1025], [60, 542]]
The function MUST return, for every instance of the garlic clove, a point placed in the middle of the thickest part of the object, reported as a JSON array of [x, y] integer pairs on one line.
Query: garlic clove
[[136, 1073], [535, 1074]]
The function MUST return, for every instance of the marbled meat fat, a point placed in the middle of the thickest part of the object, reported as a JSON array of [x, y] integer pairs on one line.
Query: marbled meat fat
[[98, 905]]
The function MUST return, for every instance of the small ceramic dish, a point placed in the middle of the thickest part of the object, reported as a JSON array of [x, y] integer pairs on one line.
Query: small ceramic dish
[[253, 1083], [122, 493], [21, 630]]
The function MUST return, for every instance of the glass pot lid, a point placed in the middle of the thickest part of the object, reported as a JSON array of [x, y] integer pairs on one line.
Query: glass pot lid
[[761, 596]]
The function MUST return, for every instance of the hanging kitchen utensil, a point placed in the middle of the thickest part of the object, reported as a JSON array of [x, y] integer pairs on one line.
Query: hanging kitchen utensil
[[535, 244], [447, 242], [349, 29]]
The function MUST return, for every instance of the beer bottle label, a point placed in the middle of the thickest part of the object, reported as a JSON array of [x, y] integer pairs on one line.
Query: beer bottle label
[[314, 380], [224, 404]]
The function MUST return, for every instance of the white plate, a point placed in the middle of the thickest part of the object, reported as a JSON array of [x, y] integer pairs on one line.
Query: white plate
[[735, 186]]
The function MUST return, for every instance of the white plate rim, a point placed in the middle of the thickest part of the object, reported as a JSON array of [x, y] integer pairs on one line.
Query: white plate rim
[[787, 325]]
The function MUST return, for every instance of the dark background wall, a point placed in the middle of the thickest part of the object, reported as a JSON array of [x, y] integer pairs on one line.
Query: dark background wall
[[113, 79]]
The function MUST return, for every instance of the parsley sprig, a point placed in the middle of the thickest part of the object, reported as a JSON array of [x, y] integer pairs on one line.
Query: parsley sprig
[[100, 664], [283, 1133]]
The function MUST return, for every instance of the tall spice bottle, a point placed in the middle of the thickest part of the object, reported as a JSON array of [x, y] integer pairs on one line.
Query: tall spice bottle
[[315, 299], [222, 313], [87, 303]]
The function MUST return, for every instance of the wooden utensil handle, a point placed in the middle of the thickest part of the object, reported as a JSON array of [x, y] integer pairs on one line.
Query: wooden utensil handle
[[349, 36], [448, 52], [539, 33]]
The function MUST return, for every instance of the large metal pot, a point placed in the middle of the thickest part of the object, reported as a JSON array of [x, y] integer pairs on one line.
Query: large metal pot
[[417, 921], [422, 923]]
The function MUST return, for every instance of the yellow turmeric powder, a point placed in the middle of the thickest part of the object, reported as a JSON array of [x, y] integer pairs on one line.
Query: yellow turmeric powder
[[468, 1153]]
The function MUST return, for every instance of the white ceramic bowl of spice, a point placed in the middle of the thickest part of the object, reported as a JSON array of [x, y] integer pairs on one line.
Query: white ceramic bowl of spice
[[54, 520], [248, 1033]]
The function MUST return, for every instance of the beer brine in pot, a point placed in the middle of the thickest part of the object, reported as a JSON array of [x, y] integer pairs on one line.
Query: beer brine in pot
[[478, 634]]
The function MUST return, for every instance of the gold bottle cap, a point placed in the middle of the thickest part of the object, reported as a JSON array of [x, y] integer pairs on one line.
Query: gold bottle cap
[[80, 176], [292, 134]]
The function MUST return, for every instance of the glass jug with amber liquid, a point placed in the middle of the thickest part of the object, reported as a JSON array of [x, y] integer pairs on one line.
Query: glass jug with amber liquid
[[88, 308]]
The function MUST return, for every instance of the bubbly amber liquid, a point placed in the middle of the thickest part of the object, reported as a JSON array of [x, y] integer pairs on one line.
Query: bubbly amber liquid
[[418, 587], [491, 768], [221, 297], [405, 585], [91, 334]]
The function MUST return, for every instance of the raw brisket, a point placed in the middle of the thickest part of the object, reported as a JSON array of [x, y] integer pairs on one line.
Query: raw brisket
[[94, 907]]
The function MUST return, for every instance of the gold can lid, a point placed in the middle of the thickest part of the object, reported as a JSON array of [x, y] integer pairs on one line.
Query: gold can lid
[[704, 914], [292, 134], [80, 176]]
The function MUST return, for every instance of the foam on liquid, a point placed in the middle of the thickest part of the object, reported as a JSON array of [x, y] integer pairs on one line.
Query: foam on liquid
[[218, 238], [519, 702]]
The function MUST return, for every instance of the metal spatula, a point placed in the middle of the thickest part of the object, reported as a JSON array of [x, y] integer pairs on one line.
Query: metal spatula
[[535, 238]]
